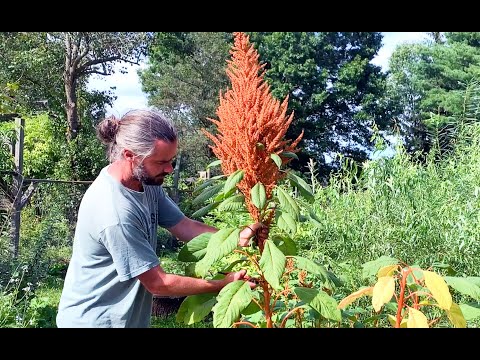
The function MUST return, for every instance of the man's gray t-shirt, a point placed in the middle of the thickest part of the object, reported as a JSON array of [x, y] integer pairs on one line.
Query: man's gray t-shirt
[[115, 241]]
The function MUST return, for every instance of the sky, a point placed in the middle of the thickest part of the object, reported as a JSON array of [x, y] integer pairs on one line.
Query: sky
[[129, 91]]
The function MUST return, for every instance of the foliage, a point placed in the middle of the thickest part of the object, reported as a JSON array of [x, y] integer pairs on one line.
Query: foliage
[[418, 298], [253, 154], [428, 81]]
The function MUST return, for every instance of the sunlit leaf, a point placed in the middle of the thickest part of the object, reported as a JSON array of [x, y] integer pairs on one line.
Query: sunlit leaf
[[371, 268], [387, 270], [320, 301], [233, 180], [258, 195], [231, 300], [383, 291], [194, 249], [354, 296], [439, 289], [195, 308], [456, 317], [416, 319], [464, 285], [287, 203], [272, 264], [277, 160]]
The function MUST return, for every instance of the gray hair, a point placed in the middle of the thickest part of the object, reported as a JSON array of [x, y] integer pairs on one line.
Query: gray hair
[[137, 131]]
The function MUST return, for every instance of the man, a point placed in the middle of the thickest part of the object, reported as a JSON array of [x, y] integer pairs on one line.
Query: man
[[114, 270]]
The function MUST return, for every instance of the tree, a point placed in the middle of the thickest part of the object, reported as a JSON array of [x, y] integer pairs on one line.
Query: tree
[[184, 74], [53, 68], [336, 93], [430, 80]]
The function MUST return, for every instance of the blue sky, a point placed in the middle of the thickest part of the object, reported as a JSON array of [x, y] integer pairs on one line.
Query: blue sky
[[130, 95]]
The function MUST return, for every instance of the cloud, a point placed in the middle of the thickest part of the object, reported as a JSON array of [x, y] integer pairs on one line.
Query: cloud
[[391, 40], [128, 90]]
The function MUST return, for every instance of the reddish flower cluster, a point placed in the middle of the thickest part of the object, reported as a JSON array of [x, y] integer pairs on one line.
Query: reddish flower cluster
[[251, 125]]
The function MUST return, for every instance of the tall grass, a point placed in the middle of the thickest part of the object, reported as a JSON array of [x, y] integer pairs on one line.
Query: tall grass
[[418, 213]]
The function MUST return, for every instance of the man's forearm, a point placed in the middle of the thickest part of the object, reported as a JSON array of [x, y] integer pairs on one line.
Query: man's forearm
[[187, 229]]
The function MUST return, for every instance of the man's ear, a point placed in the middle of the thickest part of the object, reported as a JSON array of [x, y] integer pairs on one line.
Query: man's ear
[[128, 155]]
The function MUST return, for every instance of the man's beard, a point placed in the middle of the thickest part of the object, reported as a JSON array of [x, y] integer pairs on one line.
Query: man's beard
[[141, 175]]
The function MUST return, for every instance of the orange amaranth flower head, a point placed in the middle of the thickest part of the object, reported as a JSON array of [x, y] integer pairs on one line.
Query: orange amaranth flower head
[[251, 125]]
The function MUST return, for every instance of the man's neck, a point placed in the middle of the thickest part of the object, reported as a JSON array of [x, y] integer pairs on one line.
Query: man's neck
[[121, 171]]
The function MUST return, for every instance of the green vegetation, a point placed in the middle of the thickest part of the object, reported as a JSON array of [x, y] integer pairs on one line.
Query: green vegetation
[[421, 206]]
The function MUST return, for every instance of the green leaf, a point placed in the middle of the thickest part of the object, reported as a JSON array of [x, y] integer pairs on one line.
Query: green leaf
[[470, 311], [195, 249], [289, 154], [312, 267], [207, 194], [320, 301], [287, 203], [277, 160], [371, 268], [221, 243], [195, 308], [233, 203], [259, 196], [204, 210], [207, 183], [233, 180], [285, 244], [231, 300], [286, 222], [272, 264], [464, 286], [214, 163], [302, 186]]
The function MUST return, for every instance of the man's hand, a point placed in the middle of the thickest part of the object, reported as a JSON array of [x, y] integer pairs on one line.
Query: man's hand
[[239, 275], [252, 230]]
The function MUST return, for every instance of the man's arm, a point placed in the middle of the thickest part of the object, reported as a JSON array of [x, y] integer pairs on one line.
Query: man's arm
[[188, 228], [158, 282]]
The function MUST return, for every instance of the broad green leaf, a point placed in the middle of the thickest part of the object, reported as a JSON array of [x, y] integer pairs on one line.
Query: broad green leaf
[[233, 203], [289, 154], [439, 289], [272, 264], [311, 266], [387, 270], [470, 311], [301, 185], [285, 244], [207, 194], [205, 210], [474, 279], [195, 308], [416, 319], [214, 163], [286, 222], [233, 180], [194, 249], [287, 203], [252, 308], [206, 183], [277, 160], [371, 268], [258, 195], [455, 316], [354, 296], [464, 286], [231, 300], [221, 243], [320, 301], [383, 291]]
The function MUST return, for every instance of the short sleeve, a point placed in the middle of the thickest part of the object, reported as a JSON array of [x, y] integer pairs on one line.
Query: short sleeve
[[130, 249], [169, 214]]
